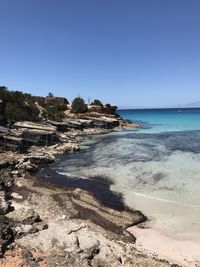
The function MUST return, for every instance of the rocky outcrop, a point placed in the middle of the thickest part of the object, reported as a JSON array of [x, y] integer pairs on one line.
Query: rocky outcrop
[[14, 223], [6, 183], [6, 234], [128, 124], [79, 257], [26, 221], [4, 203], [85, 121], [104, 122], [74, 228], [81, 231], [48, 133], [44, 155], [91, 231], [68, 124], [32, 161]]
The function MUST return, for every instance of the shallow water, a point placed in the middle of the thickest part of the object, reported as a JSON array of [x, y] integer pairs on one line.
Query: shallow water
[[156, 169]]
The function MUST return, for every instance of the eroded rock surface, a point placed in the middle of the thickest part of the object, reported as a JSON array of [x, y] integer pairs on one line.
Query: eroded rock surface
[[81, 231]]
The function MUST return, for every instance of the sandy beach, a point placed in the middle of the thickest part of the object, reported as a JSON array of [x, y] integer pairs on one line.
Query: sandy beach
[[181, 249]]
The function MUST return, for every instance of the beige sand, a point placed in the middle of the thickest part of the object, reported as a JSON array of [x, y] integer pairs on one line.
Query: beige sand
[[182, 249]]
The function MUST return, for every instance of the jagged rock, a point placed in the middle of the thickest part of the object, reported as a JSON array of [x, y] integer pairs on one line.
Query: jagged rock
[[24, 216], [26, 222], [31, 162], [24, 229], [6, 180], [29, 258], [9, 183], [92, 251], [6, 234], [62, 258], [23, 163], [31, 167], [66, 147], [16, 195], [4, 203], [15, 172], [4, 164], [41, 158], [40, 226], [105, 122]]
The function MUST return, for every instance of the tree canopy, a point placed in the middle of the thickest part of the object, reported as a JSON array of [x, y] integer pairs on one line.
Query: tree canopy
[[17, 106], [78, 105], [97, 102], [111, 109], [55, 109]]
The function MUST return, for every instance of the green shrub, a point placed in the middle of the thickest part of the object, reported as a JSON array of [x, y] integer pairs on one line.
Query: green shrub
[[55, 110], [78, 105], [111, 109], [17, 106], [97, 102], [20, 112]]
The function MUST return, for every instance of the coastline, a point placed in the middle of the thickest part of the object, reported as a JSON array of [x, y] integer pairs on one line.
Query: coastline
[[24, 196], [181, 250], [81, 225]]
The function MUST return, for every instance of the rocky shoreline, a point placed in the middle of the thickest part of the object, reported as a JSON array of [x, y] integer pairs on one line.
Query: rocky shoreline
[[42, 224]]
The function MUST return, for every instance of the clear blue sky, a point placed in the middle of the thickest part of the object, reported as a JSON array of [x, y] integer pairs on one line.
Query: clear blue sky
[[127, 52]]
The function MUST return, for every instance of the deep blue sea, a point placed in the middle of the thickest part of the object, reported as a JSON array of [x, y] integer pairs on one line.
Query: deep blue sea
[[155, 169]]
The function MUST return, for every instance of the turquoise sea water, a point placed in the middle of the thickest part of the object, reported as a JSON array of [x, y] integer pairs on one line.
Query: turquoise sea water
[[161, 120], [156, 169]]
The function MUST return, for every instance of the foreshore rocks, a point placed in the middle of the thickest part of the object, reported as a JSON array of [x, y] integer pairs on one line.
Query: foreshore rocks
[[26, 221], [6, 183], [44, 155], [50, 226], [6, 234], [45, 225], [14, 223], [32, 161], [81, 231], [4, 203]]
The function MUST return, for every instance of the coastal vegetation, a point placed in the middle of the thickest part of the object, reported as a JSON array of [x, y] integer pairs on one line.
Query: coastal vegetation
[[18, 106], [35, 226], [78, 105], [97, 102], [111, 109], [54, 109], [42, 128]]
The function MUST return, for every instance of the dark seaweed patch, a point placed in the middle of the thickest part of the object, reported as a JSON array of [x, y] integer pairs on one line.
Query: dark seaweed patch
[[99, 186]]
